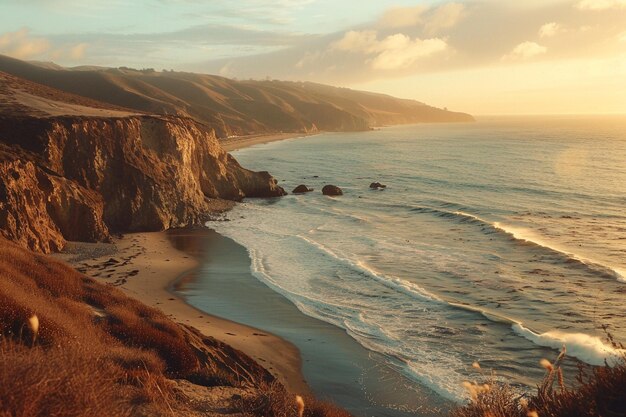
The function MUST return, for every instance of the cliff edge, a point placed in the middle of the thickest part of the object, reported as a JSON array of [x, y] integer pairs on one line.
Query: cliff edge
[[70, 177]]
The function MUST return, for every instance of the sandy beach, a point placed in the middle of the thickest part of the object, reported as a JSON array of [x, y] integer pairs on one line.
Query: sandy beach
[[146, 265], [239, 142]]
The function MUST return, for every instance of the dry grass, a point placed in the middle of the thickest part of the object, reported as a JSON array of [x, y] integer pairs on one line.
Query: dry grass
[[272, 400], [598, 391], [59, 382], [58, 356], [80, 381], [72, 307], [91, 351], [70, 346]]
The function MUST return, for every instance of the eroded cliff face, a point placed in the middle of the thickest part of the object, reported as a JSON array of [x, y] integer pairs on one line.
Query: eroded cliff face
[[78, 178]]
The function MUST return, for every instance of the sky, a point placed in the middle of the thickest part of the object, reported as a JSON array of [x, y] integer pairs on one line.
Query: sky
[[477, 56]]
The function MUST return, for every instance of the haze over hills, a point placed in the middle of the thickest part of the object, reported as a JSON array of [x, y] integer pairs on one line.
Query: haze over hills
[[233, 107]]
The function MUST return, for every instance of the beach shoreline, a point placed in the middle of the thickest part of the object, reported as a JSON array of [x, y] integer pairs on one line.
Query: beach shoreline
[[150, 268], [239, 142], [147, 267], [336, 367]]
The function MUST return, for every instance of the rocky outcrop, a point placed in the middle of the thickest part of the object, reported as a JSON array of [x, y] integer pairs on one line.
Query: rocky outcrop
[[302, 189], [40, 210], [377, 185], [77, 178], [331, 190]]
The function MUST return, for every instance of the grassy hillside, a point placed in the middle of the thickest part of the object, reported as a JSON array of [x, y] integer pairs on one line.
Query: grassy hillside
[[93, 351], [70, 346], [234, 107]]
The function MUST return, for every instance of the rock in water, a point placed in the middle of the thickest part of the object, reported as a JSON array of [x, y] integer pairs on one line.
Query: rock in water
[[331, 190], [377, 185], [301, 189]]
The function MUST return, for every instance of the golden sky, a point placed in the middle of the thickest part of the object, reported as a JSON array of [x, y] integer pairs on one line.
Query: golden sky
[[478, 56]]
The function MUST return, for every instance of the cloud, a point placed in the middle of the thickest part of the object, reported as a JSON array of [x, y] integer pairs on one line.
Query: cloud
[[256, 12], [550, 29], [205, 34], [281, 4], [436, 36], [392, 52], [444, 17], [20, 44], [601, 4], [77, 52], [524, 51], [400, 43], [357, 41], [226, 70], [249, 16], [73, 53], [430, 20], [402, 17], [400, 51], [308, 59]]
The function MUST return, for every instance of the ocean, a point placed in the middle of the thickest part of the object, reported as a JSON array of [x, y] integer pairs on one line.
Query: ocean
[[497, 242]]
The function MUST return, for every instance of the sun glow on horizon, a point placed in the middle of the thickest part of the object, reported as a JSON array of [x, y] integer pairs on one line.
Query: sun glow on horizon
[[571, 87]]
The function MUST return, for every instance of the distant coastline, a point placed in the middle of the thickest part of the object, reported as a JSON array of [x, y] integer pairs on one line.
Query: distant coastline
[[239, 142]]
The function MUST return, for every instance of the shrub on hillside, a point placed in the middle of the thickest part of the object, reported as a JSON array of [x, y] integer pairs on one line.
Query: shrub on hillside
[[599, 391], [273, 400]]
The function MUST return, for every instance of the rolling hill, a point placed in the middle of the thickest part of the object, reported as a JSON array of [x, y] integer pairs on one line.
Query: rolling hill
[[232, 107]]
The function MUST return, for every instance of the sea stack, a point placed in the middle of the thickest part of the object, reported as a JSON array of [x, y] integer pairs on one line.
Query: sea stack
[[377, 185], [331, 190], [302, 189]]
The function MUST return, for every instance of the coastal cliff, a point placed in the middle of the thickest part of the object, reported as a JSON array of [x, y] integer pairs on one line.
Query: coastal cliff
[[81, 178], [75, 169], [82, 157]]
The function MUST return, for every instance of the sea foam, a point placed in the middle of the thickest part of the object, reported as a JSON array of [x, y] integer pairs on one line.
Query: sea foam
[[589, 349], [527, 236]]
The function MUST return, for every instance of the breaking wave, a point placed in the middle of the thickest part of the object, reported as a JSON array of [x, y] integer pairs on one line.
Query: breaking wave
[[524, 237]]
